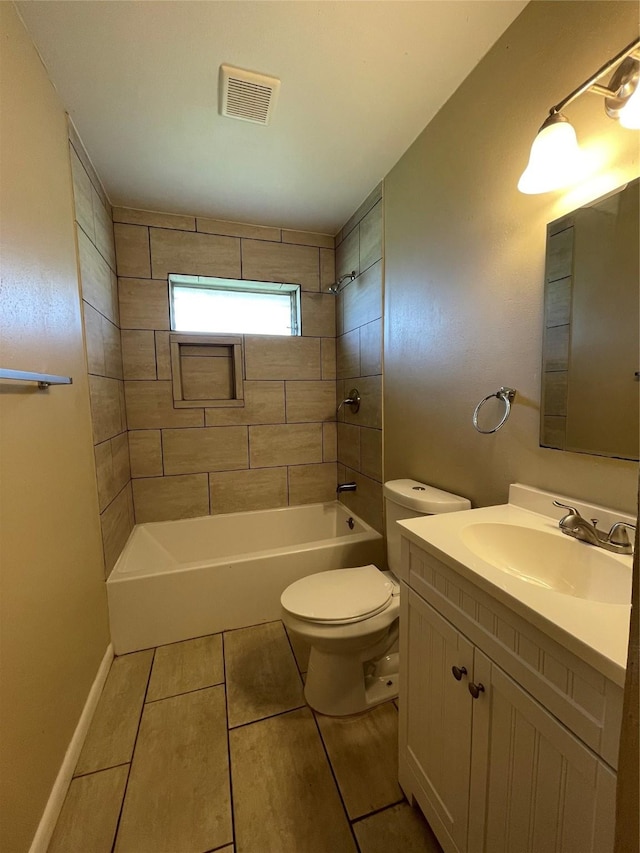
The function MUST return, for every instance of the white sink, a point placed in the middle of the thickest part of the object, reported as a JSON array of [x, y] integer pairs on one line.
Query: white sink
[[550, 561]]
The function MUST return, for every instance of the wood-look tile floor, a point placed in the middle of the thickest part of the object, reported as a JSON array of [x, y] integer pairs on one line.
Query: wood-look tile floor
[[207, 745]]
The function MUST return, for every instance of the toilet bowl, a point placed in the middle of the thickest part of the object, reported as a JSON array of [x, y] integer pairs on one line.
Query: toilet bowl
[[350, 617]]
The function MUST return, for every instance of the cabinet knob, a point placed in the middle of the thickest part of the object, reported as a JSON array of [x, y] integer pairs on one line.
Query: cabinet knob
[[476, 689], [458, 672]]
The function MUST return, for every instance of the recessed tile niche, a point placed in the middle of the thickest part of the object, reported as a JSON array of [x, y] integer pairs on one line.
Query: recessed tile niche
[[207, 370]]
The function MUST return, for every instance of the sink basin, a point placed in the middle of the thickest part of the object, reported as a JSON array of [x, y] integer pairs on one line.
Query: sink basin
[[550, 561]]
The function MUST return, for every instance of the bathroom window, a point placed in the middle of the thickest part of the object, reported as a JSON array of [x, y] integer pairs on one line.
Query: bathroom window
[[229, 306]]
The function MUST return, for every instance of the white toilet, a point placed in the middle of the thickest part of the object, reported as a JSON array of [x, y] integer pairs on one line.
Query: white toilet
[[349, 617]]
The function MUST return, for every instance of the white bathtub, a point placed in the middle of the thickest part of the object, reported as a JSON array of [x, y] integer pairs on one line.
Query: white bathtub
[[180, 579]]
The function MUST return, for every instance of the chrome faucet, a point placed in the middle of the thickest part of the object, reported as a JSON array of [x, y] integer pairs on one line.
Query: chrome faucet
[[616, 540], [346, 487]]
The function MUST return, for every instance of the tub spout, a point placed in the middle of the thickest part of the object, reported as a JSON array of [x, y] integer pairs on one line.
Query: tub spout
[[346, 487]]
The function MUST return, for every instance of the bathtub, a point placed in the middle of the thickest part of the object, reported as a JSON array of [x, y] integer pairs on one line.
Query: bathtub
[[180, 579]]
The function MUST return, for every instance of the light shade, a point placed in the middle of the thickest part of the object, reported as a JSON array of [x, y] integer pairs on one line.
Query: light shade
[[630, 114], [555, 159]]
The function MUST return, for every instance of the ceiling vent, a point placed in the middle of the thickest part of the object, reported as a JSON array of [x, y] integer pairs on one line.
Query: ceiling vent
[[246, 95]]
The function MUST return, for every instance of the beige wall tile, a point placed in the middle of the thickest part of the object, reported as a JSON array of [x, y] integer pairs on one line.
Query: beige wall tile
[[103, 225], [308, 238], [144, 304], [281, 262], [363, 298], [148, 217], [329, 442], [309, 484], [93, 339], [349, 445], [374, 196], [90, 813], [371, 348], [328, 356], [371, 237], [327, 268], [183, 742], [76, 143], [170, 498], [348, 254], [123, 406], [82, 195], [370, 413], [150, 406], [132, 251], [145, 452], [117, 523], [182, 667], [114, 726], [363, 750], [263, 404], [310, 401], [279, 769], [138, 354], [398, 828], [112, 349], [262, 677], [163, 355], [112, 468], [348, 355], [238, 229], [190, 451], [366, 501], [285, 444], [318, 315], [207, 378], [371, 453], [96, 278], [282, 358], [242, 491], [187, 253], [107, 416]]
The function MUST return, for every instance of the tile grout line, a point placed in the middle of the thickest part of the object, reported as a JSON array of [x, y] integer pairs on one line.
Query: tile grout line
[[135, 743], [363, 817], [183, 693], [335, 779], [268, 717], [226, 709], [100, 770]]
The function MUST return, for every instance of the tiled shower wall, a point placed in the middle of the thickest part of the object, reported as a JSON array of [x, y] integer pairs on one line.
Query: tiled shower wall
[[277, 449], [359, 248], [97, 265]]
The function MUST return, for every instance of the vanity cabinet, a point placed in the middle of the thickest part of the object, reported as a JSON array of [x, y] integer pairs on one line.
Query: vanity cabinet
[[504, 772]]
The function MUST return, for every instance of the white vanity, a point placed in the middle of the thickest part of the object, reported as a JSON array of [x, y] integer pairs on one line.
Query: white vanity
[[513, 653]]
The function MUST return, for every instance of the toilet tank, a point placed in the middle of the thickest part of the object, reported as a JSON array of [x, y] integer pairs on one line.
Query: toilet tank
[[410, 499]]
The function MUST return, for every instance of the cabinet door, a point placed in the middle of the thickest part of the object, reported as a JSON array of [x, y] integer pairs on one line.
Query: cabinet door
[[535, 788], [437, 723]]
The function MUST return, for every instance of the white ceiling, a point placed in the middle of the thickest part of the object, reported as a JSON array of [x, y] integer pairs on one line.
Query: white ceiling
[[360, 80]]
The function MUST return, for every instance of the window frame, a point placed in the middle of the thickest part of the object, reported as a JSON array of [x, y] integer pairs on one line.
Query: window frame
[[203, 282]]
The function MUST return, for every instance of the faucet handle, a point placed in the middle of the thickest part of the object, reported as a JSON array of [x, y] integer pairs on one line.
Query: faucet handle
[[572, 509], [618, 534]]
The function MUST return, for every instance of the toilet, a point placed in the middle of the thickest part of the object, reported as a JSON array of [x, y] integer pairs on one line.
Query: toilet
[[349, 617]]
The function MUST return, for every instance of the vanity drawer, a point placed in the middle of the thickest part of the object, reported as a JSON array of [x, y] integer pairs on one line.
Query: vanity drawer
[[587, 702]]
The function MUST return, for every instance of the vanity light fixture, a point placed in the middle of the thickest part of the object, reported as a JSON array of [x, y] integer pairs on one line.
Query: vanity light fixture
[[555, 159]]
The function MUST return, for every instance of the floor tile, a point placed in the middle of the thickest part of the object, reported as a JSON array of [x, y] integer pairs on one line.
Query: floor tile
[[89, 816], [178, 798], [284, 796], [262, 677], [112, 733], [363, 751], [398, 828], [301, 650], [182, 667]]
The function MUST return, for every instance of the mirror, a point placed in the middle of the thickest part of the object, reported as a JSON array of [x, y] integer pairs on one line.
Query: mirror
[[590, 352]]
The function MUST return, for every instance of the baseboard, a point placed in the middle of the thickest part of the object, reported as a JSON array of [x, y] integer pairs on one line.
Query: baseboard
[[53, 808]]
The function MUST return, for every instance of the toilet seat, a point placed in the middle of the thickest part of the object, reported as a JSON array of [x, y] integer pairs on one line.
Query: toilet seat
[[340, 596]]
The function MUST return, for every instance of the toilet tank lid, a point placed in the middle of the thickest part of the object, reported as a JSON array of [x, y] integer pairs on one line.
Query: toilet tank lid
[[422, 498]]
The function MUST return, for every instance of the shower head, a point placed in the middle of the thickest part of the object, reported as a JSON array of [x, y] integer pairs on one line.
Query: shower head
[[334, 289]]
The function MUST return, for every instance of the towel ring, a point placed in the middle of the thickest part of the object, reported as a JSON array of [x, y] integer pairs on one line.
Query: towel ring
[[504, 394]]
